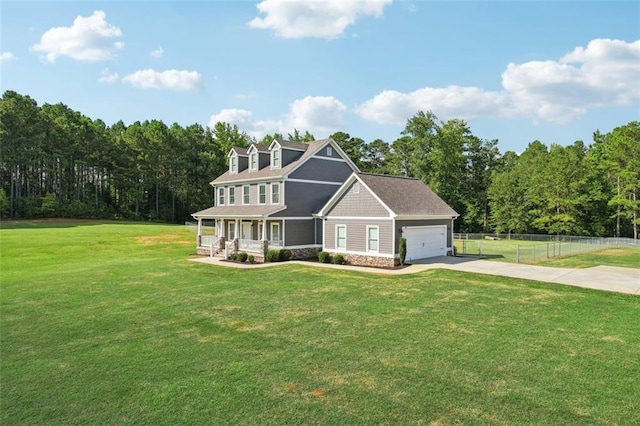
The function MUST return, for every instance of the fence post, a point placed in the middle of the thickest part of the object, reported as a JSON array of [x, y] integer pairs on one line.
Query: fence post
[[547, 250], [464, 246], [211, 248], [480, 248], [517, 253]]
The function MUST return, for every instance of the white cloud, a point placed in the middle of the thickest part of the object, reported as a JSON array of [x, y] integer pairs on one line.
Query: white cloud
[[157, 53], [605, 73], [314, 18], [106, 77], [241, 117], [88, 39], [6, 57], [180, 80], [320, 115]]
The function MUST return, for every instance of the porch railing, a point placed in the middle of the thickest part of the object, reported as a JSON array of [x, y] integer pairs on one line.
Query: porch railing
[[208, 240], [250, 245], [275, 244]]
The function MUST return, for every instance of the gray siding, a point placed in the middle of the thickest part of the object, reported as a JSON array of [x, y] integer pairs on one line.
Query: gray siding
[[323, 152], [402, 223], [288, 155], [357, 234], [243, 163], [299, 232], [264, 160], [362, 204], [323, 170], [318, 229], [304, 199]]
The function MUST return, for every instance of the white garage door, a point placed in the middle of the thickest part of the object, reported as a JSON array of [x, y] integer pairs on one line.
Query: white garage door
[[425, 241]]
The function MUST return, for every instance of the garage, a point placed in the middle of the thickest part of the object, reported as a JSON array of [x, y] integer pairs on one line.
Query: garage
[[425, 241]]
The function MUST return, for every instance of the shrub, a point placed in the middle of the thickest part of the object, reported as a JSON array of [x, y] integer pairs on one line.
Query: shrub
[[251, 259], [233, 256], [403, 250], [284, 254], [324, 257], [273, 256], [338, 259], [242, 256]]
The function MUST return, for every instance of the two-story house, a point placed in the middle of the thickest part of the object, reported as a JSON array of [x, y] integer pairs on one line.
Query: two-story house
[[311, 197], [267, 198]]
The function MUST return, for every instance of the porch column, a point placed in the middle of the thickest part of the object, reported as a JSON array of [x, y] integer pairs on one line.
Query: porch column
[[199, 230], [235, 233], [264, 230]]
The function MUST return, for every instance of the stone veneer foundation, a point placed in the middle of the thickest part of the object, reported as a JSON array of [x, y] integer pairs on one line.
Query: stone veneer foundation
[[375, 261]]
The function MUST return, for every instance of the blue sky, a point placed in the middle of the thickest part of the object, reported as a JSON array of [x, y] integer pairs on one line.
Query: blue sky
[[515, 71]]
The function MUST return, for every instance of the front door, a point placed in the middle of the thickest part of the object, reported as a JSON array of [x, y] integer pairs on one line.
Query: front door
[[246, 231]]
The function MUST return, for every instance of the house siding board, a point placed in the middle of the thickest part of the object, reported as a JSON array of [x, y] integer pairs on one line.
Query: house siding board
[[304, 199], [357, 235], [432, 222], [362, 204], [323, 170], [299, 232], [243, 163], [264, 160], [318, 230], [288, 156]]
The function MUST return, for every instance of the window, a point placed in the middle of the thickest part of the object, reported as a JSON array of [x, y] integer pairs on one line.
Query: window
[[245, 194], [253, 161], [329, 151], [275, 231], [232, 195], [233, 164], [262, 193], [356, 188], [275, 158], [372, 238], [275, 193], [341, 237], [221, 196], [232, 231]]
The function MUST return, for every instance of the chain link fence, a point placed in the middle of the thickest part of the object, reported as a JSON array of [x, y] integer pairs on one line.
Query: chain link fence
[[530, 248]]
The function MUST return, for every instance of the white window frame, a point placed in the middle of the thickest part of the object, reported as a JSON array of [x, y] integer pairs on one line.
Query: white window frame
[[355, 188], [232, 196], [253, 156], [262, 185], [329, 151], [275, 225], [337, 237], [246, 195], [231, 229], [276, 154], [221, 196], [277, 193], [369, 240], [233, 164]]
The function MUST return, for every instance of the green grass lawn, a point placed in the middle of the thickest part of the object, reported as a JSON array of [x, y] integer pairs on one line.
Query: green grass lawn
[[626, 257], [109, 323]]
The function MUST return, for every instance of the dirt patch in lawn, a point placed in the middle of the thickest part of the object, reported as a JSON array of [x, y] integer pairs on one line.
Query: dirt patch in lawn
[[614, 252], [162, 239]]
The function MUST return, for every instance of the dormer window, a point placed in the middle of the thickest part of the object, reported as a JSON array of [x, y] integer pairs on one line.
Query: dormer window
[[253, 161], [233, 164], [275, 158]]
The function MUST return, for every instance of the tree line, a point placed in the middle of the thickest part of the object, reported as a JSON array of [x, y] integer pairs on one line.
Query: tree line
[[57, 162]]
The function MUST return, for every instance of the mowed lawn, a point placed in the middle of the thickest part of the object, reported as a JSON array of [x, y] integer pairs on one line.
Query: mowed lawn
[[109, 323]]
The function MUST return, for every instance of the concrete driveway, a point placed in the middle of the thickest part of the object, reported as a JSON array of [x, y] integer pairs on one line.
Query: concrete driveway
[[610, 278]]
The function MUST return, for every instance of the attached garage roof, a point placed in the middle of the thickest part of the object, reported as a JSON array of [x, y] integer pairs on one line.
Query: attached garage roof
[[406, 196]]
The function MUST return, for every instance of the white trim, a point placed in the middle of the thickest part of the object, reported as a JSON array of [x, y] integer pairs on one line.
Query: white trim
[[229, 203], [426, 217], [277, 184], [355, 187], [322, 182], [338, 225], [275, 141], [218, 202], [279, 151], [229, 223], [377, 228], [272, 224], [248, 193], [361, 218], [320, 157], [257, 167], [305, 246], [393, 236], [232, 170], [264, 185], [294, 218], [360, 253]]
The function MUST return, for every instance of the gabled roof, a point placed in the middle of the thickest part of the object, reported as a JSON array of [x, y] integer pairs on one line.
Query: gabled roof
[[239, 151], [296, 146], [403, 197], [266, 173], [259, 148]]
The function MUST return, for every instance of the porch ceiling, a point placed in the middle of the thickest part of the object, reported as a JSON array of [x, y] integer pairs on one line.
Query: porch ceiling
[[220, 212]]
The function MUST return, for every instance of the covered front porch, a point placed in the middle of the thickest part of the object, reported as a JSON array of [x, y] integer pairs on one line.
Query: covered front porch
[[232, 235]]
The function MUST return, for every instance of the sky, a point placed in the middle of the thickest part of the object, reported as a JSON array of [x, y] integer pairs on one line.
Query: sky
[[514, 71]]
